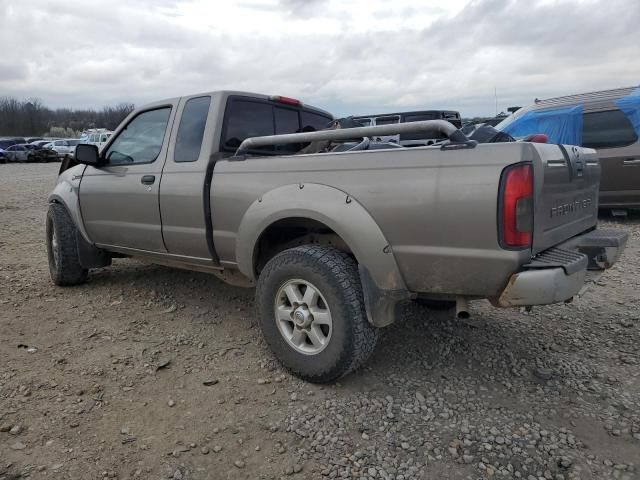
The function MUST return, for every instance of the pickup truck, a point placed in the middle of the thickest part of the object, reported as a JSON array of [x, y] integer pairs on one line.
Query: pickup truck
[[333, 240]]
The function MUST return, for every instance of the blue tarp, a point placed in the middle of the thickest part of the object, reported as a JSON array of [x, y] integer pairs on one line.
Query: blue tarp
[[630, 106], [561, 125]]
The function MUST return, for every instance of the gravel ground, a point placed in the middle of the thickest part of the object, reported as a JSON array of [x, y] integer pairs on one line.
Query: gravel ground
[[148, 372]]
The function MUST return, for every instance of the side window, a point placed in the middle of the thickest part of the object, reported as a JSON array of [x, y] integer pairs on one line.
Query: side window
[[607, 129], [387, 120], [141, 140], [191, 129], [421, 117], [363, 122], [246, 119]]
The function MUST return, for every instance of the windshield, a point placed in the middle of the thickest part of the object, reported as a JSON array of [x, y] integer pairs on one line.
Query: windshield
[[500, 126], [365, 122]]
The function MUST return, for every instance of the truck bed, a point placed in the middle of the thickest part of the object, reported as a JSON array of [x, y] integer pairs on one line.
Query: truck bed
[[436, 208]]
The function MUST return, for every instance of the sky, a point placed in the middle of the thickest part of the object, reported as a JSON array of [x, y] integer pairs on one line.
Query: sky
[[349, 57]]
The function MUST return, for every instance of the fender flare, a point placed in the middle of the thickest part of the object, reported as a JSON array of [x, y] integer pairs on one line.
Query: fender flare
[[349, 219], [66, 192]]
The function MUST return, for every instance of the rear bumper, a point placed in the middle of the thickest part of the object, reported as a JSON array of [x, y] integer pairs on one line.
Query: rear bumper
[[560, 273]]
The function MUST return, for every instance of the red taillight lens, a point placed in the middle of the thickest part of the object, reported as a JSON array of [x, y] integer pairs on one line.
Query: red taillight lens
[[516, 213], [538, 138], [286, 100]]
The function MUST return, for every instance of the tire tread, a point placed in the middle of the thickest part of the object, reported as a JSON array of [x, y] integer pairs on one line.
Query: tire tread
[[68, 271], [343, 270]]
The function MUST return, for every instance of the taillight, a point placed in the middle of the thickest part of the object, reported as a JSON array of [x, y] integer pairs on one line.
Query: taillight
[[516, 206], [537, 138], [286, 100]]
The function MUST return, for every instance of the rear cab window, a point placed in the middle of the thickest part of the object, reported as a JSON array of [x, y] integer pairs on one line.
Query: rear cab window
[[607, 129], [247, 117]]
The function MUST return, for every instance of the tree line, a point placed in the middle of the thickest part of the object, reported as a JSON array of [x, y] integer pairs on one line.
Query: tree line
[[30, 118]]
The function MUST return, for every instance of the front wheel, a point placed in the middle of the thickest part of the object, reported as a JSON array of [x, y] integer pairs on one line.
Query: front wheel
[[62, 248], [311, 310]]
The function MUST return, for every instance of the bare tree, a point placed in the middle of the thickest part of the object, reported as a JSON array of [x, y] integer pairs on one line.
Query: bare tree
[[31, 117]]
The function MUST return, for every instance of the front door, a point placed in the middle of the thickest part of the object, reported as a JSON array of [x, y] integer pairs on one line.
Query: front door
[[119, 201]]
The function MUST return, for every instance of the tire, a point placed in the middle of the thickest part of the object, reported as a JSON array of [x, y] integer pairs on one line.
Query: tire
[[349, 339], [62, 248]]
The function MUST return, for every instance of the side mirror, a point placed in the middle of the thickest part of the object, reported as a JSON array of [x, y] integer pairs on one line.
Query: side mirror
[[88, 154]]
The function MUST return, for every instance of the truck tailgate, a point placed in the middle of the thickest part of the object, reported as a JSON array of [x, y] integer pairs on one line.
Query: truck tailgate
[[566, 194]]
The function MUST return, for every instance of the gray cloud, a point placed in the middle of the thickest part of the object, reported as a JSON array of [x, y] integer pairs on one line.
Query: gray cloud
[[337, 55]]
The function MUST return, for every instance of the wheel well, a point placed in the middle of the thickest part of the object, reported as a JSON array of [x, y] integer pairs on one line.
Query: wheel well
[[289, 233]]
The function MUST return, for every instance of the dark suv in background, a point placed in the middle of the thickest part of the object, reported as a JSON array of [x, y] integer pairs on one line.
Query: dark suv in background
[[608, 120]]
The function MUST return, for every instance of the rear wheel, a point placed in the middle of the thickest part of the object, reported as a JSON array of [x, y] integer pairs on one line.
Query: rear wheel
[[62, 248], [311, 310]]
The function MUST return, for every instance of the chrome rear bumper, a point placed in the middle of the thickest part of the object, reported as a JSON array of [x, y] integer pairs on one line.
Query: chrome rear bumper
[[559, 273]]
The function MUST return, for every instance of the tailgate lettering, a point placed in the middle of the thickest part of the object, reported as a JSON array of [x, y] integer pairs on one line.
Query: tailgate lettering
[[571, 207]]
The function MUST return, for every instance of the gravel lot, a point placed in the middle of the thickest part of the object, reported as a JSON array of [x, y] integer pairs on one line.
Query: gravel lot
[[148, 372]]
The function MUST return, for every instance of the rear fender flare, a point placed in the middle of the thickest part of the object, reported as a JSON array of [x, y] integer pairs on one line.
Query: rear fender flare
[[338, 211]]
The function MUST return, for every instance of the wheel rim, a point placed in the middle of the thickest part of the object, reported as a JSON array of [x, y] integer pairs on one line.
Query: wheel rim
[[303, 317]]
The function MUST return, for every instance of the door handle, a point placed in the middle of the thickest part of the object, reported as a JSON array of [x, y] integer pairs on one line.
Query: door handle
[[148, 179], [632, 161]]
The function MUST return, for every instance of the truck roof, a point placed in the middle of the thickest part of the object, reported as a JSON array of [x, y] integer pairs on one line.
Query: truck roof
[[223, 94], [408, 112], [582, 98]]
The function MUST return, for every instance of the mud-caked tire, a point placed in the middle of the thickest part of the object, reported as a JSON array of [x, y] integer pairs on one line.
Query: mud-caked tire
[[62, 248], [311, 310]]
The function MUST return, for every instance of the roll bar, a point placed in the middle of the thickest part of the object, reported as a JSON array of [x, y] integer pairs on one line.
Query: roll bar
[[455, 136]]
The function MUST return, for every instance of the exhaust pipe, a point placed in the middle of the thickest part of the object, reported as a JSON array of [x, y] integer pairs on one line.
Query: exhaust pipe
[[462, 308]]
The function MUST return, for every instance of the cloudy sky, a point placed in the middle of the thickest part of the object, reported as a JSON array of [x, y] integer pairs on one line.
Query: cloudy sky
[[358, 56]]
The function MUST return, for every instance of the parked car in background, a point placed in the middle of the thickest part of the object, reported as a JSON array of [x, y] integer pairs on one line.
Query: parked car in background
[[8, 141], [410, 139], [97, 137], [607, 120], [42, 143], [3, 157], [28, 152], [64, 147], [44, 153], [20, 153]]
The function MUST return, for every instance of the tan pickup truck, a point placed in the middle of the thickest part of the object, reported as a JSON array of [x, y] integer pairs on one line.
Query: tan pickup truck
[[334, 240]]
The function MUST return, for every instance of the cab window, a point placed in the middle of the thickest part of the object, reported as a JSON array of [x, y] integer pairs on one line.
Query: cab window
[[245, 118], [141, 140], [191, 129]]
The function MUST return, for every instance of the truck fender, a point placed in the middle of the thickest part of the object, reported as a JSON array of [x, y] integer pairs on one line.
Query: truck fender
[[66, 192], [379, 272]]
